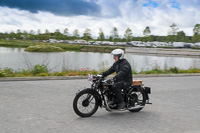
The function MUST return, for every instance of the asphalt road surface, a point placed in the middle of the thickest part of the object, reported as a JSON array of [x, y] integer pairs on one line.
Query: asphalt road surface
[[46, 107]]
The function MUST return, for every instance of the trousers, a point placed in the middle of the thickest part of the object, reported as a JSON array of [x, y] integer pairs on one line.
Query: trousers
[[117, 87]]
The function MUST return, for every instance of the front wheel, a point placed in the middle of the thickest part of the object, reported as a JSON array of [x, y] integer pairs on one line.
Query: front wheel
[[85, 103]]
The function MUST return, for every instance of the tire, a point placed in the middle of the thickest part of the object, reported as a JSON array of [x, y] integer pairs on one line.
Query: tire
[[140, 102], [85, 103]]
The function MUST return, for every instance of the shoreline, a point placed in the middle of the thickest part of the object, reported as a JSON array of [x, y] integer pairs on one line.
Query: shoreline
[[164, 51]]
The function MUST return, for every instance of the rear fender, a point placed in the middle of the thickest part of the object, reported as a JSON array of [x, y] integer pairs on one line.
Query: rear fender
[[147, 91]]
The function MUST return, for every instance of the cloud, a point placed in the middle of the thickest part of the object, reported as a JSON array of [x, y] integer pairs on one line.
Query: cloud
[[175, 4], [151, 3], [58, 7], [123, 14]]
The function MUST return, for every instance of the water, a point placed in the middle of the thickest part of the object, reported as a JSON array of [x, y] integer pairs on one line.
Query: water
[[18, 59]]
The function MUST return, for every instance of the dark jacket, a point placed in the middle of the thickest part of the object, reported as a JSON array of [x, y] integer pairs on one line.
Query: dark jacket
[[123, 70]]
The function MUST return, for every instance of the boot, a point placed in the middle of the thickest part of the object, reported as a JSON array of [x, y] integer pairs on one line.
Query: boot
[[121, 105]]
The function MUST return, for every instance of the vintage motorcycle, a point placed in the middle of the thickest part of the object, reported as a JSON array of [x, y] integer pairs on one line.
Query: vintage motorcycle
[[87, 100]]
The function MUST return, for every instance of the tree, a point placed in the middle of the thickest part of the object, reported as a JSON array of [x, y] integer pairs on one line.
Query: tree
[[39, 32], [66, 32], [101, 35], [31, 32], [39, 35], [128, 35], [114, 34], [76, 34], [181, 36], [87, 34], [12, 35], [25, 35], [196, 36], [147, 31], [151, 38], [173, 30], [57, 34], [32, 35], [196, 29], [47, 34], [19, 34]]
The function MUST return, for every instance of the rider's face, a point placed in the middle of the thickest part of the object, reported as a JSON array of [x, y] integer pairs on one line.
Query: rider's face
[[116, 57]]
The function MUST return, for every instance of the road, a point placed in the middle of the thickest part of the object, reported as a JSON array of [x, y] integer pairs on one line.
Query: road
[[46, 107]]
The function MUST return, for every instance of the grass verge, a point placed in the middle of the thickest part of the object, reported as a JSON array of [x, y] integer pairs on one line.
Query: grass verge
[[42, 70]]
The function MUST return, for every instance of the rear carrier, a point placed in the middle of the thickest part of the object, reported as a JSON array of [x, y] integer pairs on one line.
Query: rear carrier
[[147, 90], [137, 82]]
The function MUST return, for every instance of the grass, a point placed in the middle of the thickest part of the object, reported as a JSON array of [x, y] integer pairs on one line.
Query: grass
[[42, 70], [17, 43], [172, 70]]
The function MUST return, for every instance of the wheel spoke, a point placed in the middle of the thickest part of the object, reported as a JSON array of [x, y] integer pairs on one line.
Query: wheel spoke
[[90, 106]]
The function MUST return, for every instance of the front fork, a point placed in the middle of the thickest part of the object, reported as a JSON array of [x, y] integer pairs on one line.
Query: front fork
[[105, 99]]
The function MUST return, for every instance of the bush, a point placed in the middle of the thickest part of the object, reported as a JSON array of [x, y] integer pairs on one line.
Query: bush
[[134, 72], [2, 74], [25, 73], [192, 70], [59, 74], [39, 69], [43, 74], [8, 72], [174, 70], [94, 72], [72, 74], [44, 48], [156, 70]]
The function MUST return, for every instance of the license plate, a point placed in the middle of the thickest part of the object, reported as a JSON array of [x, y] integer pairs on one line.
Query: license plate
[[90, 78]]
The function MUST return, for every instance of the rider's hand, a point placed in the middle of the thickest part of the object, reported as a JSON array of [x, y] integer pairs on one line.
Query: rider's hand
[[100, 75]]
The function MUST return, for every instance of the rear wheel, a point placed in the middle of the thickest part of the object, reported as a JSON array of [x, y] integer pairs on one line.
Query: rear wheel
[[85, 103], [136, 101]]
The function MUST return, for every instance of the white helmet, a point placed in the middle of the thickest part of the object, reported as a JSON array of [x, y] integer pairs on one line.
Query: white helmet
[[118, 52]]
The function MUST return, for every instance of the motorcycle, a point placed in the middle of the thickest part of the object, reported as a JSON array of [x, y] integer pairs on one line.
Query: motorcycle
[[87, 100]]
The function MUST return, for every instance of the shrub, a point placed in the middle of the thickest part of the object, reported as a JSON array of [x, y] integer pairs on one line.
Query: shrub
[[25, 72], [72, 74], [94, 72], [43, 74], [2, 74], [9, 72], [193, 70], [44, 48], [174, 70], [39, 69], [134, 72], [59, 74]]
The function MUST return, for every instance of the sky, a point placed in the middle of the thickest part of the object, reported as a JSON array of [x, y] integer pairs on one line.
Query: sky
[[95, 14]]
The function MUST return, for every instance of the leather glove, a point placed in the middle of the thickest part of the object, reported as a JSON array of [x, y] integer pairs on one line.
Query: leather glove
[[100, 75]]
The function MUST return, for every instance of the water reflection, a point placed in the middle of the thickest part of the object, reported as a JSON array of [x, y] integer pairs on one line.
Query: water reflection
[[17, 58]]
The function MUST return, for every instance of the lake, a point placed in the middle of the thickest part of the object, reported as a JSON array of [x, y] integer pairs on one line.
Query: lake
[[18, 59]]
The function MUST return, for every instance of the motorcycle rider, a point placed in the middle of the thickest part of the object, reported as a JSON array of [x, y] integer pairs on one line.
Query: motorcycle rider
[[123, 77]]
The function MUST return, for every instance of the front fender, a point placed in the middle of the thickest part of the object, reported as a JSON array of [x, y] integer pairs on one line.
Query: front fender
[[94, 92]]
